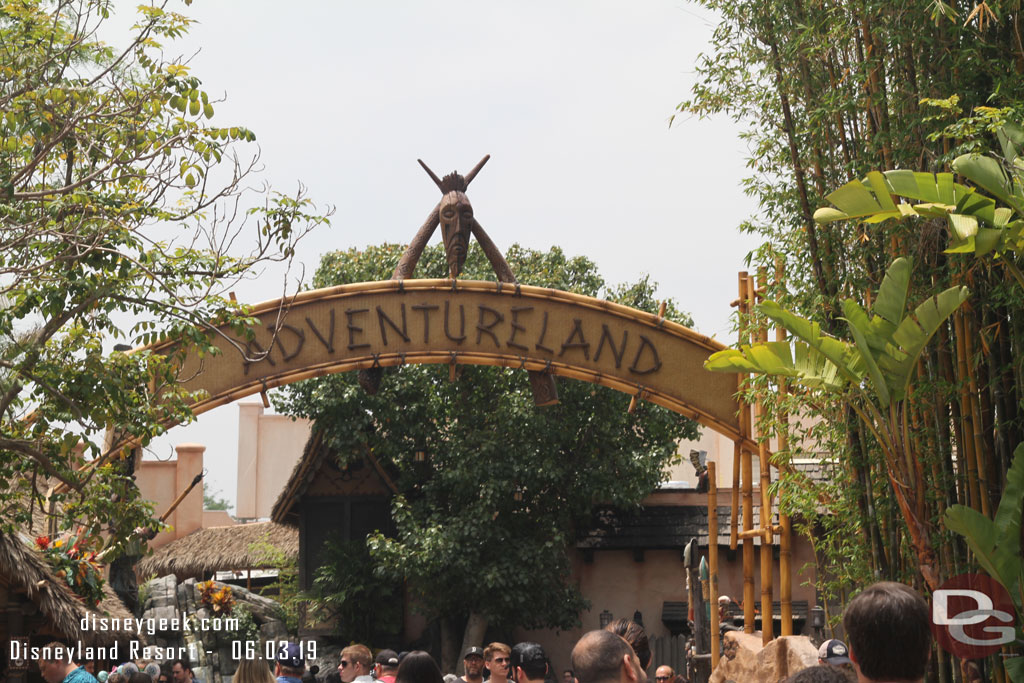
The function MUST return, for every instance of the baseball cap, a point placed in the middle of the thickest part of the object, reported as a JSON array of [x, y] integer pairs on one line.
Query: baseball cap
[[387, 658], [474, 652], [290, 656], [834, 652]]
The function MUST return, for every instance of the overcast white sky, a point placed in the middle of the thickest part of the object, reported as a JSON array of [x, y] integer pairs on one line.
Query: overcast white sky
[[570, 98]]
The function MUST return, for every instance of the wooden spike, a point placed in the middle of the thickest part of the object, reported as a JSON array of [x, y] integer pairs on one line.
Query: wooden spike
[[433, 176], [661, 309], [266, 399], [632, 405], [476, 169]]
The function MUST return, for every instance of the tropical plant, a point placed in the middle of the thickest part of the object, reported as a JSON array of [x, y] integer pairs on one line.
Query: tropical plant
[[872, 374], [996, 544], [976, 223], [73, 559]]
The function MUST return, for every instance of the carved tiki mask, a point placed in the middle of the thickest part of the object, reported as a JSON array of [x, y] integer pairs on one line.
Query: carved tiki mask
[[456, 214]]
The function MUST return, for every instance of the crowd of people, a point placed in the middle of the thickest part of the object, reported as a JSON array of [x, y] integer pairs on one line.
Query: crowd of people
[[887, 625]]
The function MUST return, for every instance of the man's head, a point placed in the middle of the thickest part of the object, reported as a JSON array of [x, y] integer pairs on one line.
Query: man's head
[[887, 625], [568, 676], [473, 662], [54, 665], [833, 652], [386, 663], [664, 674], [456, 216], [634, 634], [496, 658], [356, 660], [288, 661], [529, 663], [604, 657], [181, 671]]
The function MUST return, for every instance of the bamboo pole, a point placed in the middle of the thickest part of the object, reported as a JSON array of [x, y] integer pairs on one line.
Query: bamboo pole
[[713, 560], [747, 483], [785, 524], [966, 415], [768, 538], [737, 450], [979, 427]]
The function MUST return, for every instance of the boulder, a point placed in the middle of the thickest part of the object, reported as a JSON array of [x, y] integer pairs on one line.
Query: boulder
[[745, 659]]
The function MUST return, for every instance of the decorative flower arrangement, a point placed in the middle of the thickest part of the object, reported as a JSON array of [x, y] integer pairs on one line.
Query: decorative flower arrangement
[[220, 600], [74, 563]]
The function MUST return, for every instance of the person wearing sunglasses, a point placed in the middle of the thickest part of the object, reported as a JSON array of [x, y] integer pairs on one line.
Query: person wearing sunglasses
[[664, 674], [496, 658], [356, 662]]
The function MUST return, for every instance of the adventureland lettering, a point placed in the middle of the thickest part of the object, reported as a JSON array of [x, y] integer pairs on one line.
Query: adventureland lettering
[[506, 327]]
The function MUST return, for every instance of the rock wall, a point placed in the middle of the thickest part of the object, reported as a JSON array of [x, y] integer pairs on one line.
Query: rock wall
[[745, 660], [212, 652]]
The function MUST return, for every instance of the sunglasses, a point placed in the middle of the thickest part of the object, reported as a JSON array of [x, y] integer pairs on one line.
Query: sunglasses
[[501, 660], [344, 663], [662, 678]]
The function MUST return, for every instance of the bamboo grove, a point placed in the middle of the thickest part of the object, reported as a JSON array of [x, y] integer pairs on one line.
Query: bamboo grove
[[828, 91]]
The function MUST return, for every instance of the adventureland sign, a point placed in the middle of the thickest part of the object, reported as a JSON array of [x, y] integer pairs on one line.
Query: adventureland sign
[[390, 323]]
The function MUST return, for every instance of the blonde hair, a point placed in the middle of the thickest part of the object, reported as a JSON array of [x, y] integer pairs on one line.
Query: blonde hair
[[359, 654], [253, 671], [496, 647]]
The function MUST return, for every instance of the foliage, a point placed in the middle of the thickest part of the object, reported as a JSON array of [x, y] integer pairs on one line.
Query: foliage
[[996, 542], [247, 630], [217, 596], [74, 562], [366, 604], [213, 501], [486, 522], [872, 373], [827, 93], [123, 221], [288, 596]]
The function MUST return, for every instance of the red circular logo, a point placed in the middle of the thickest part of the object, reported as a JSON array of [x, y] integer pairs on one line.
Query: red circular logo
[[972, 616]]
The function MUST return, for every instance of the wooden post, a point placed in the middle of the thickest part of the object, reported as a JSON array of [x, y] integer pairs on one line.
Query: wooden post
[[716, 635], [785, 534], [767, 539], [737, 450], [747, 483]]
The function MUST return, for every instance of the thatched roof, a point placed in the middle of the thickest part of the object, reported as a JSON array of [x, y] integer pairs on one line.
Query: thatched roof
[[221, 548], [24, 568]]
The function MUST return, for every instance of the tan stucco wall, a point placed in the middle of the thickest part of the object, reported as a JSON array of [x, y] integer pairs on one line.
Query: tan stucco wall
[[614, 581], [268, 448], [162, 481]]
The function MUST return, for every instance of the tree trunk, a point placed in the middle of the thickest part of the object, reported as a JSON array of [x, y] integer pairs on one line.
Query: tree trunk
[[476, 625], [449, 655]]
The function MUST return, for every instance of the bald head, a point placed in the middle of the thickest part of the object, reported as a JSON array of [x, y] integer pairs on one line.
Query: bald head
[[603, 657]]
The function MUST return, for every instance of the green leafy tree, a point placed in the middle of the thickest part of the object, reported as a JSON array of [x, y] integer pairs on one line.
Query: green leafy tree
[[212, 499], [483, 526], [119, 201]]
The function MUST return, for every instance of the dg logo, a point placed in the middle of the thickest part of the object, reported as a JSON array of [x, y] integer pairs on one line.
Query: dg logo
[[972, 616]]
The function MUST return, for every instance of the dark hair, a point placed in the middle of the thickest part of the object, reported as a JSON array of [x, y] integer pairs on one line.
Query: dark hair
[[184, 664], [887, 625], [418, 667], [822, 673], [597, 656], [140, 677], [636, 637], [530, 658]]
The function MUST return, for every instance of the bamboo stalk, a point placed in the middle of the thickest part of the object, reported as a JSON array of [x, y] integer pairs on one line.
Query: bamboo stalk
[[767, 625], [713, 560], [974, 496], [737, 451], [747, 483], [979, 438], [785, 526]]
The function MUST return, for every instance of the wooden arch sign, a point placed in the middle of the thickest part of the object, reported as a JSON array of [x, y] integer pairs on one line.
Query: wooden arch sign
[[394, 322]]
